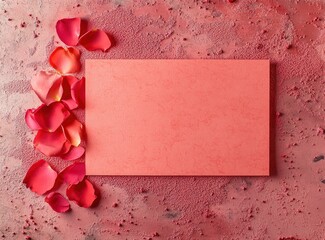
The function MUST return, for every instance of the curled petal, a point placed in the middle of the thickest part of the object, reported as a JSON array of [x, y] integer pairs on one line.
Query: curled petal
[[82, 193], [47, 86], [65, 60], [40, 177], [74, 173], [95, 40], [73, 130], [30, 120], [50, 143], [68, 30], [74, 153], [78, 92], [57, 202], [49, 118], [67, 83]]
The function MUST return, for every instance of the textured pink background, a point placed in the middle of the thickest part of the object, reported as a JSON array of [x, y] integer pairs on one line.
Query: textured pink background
[[290, 203]]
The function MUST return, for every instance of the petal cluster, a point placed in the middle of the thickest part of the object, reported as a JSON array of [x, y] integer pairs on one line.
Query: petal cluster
[[69, 31], [59, 132]]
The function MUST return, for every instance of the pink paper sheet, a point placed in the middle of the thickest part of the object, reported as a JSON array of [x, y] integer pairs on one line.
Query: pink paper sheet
[[177, 117]]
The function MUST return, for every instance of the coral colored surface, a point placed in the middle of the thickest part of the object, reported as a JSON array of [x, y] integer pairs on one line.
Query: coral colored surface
[[290, 203]]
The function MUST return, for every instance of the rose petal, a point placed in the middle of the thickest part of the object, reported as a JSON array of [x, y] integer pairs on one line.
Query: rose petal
[[30, 119], [82, 193], [40, 177], [78, 92], [67, 83], [73, 130], [74, 153], [68, 30], [57, 202], [95, 40], [50, 143], [74, 173], [65, 60], [49, 118], [47, 86]]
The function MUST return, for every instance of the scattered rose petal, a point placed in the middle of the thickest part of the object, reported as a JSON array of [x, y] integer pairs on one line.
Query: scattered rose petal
[[73, 131], [67, 83], [74, 173], [48, 118], [40, 177], [82, 193], [68, 30], [57, 202], [74, 153], [30, 120], [50, 143], [65, 60], [95, 40], [78, 92], [47, 86]]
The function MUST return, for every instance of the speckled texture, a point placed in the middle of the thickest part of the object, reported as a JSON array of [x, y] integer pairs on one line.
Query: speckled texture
[[287, 205]]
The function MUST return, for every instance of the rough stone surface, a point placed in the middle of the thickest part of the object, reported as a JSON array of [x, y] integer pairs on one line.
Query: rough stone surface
[[287, 205]]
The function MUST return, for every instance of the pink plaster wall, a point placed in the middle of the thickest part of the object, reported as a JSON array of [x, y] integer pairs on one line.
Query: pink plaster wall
[[288, 205]]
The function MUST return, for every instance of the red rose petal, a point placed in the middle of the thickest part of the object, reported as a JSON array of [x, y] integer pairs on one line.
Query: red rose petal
[[74, 153], [30, 119], [82, 193], [73, 130], [95, 40], [57, 202], [47, 86], [68, 30], [74, 173], [78, 92], [50, 117], [67, 83], [40, 177], [50, 143], [65, 60]]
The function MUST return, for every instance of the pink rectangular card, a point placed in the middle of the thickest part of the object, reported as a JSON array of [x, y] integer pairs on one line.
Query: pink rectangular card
[[177, 117]]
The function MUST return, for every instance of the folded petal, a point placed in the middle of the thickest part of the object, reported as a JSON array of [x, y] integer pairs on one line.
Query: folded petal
[[40, 177], [30, 119], [74, 153], [57, 202], [82, 193], [50, 117], [67, 83], [65, 60], [73, 130], [78, 92], [68, 30], [50, 143], [95, 40], [74, 173], [47, 86]]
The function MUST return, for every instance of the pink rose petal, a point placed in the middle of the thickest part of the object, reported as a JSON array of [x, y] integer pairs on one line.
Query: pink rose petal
[[30, 119], [78, 92], [73, 131], [47, 86], [74, 153], [48, 118], [40, 177], [82, 193], [67, 83], [50, 143], [68, 30], [65, 60], [74, 173], [95, 40], [57, 202]]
